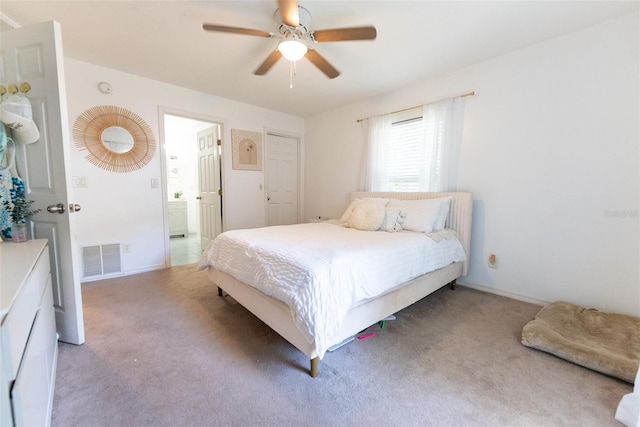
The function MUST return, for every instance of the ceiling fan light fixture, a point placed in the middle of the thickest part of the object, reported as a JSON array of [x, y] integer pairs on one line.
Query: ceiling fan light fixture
[[292, 50]]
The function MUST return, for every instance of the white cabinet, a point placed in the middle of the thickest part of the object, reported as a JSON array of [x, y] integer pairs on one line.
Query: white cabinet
[[28, 339], [178, 218]]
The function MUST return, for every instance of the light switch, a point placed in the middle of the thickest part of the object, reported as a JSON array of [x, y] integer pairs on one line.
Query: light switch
[[80, 182]]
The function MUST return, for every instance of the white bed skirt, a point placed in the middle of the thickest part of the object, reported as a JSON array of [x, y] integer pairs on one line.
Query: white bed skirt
[[277, 314]]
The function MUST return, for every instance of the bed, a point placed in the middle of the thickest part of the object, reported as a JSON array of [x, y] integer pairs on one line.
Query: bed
[[323, 259]]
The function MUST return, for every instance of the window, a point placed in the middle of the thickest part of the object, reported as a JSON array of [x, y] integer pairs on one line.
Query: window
[[415, 150], [414, 153], [404, 156]]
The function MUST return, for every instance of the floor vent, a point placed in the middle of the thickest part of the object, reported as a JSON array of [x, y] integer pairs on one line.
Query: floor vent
[[101, 260]]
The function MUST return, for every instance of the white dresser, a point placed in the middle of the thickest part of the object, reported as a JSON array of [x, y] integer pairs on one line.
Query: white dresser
[[29, 348]]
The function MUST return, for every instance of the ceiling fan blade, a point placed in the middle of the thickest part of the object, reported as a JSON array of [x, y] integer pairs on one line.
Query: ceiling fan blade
[[340, 34], [236, 30], [324, 66], [268, 63], [289, 12]]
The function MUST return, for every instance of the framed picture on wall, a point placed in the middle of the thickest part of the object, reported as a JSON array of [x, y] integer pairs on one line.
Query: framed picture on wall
[[247, 150]]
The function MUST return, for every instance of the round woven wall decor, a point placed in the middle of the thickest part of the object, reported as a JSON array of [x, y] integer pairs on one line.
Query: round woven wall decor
[[87, 135]]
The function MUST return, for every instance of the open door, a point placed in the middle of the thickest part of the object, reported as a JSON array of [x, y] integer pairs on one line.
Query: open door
[[209, 183], [34, 54]]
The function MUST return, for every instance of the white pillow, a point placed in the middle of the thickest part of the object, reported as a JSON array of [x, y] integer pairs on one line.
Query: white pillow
[[420, 215], [393, 218], [368, 215], [445, 205], [344, 220], [346, 216]]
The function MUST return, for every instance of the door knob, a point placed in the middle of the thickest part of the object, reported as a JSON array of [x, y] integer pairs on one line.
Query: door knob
[[198, 198], [268, 198], [59, 208], [73, 207]]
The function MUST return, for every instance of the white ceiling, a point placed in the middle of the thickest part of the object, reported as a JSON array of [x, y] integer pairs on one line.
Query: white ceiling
[[164, 40]]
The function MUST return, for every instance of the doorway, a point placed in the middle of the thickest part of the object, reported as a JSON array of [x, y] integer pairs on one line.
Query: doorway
[[185, 215]]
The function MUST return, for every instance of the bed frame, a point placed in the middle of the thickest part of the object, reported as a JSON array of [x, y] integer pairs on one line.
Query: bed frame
[[277, 315]]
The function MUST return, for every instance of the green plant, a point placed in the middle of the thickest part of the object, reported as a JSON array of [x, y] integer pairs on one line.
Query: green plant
[[20, 210]]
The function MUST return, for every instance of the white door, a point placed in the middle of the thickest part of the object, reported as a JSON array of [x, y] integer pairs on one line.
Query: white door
[[281, 180], [209, 184], [34, 54]]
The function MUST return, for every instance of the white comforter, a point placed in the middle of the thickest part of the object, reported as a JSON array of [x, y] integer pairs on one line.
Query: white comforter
[[321, 270]]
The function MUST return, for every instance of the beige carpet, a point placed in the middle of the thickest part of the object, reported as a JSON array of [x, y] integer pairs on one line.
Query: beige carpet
[[163, 349]]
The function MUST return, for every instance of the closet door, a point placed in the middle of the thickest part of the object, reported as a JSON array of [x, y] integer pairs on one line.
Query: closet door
[[281, 173]]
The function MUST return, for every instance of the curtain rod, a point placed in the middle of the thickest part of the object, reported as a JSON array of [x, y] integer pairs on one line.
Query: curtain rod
[[417, 106]]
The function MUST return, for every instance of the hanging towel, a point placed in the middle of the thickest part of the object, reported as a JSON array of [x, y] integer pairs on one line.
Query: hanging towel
[[11, 185]]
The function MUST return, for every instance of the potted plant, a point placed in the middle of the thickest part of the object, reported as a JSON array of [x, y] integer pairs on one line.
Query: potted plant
[[19, 211]]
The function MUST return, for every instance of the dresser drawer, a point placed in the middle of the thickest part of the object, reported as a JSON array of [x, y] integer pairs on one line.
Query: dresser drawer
[[32, 392], [19, 321]]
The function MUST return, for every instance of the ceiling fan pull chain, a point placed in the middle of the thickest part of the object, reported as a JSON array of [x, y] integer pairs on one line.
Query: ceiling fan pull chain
[[292, 73]]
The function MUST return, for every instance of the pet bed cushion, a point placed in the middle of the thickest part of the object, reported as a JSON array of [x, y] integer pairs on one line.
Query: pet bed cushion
[[605, 342]]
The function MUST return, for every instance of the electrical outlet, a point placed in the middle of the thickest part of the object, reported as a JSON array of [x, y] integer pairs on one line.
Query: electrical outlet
[[493, 261], [126, 248]]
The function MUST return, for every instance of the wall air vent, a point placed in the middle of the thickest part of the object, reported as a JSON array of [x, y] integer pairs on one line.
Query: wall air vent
[[101, 260]]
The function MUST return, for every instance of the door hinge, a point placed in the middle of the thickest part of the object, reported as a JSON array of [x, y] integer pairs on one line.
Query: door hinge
[[219, 142], [220, 192]]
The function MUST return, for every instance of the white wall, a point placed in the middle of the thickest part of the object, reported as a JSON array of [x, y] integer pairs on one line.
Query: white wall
[[551, 152], [122, 207]]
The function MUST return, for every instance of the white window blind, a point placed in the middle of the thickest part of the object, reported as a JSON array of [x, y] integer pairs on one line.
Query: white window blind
[[405, 155]]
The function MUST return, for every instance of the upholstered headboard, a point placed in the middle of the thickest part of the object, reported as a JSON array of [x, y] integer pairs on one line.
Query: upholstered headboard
[[459, 218]]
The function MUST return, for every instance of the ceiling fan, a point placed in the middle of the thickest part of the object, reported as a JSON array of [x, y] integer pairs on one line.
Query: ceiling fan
[[297, 37]]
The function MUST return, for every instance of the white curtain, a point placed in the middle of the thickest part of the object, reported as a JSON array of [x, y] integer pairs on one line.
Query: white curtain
[[442, 122], [378, 135], [442, 126]]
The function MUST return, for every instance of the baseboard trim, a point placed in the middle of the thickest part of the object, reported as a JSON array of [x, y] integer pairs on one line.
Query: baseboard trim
[[101, 277], [124, 273], [145, 269], [503, 293]]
